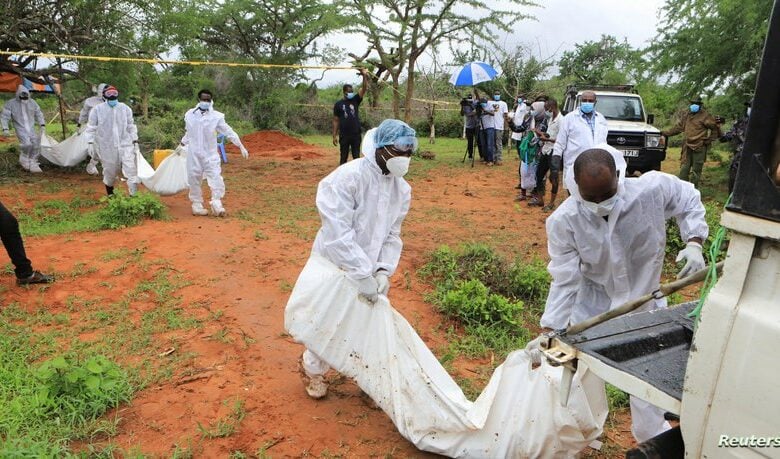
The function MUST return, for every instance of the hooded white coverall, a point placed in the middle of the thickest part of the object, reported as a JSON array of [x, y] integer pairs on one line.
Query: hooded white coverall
[[575, 136], [25, 115], [598, 264], [361, 211], [203, 158], [113, 131], [89, 104]]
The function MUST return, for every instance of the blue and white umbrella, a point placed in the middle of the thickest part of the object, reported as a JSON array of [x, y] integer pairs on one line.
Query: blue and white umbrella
[[473, 73]]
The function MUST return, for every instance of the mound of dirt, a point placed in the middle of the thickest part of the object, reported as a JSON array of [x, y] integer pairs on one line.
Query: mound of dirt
[[276, 144]]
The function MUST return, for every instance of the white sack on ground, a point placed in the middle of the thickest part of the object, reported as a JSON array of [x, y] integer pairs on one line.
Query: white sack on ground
[[170, 176], [517, 415], [68, 153]]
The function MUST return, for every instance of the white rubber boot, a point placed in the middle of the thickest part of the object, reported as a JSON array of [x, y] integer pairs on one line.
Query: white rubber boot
[[216, 209], [197, 209]]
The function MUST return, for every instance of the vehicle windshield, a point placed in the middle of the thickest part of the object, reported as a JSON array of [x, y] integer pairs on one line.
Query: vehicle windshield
[[625, 108]]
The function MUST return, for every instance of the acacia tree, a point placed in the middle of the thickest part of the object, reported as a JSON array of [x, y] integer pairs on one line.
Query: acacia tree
[[711, 44], [399, 32], [607, 61]]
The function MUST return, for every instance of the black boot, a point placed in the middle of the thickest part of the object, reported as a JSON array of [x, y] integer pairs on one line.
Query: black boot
[[109, 190]]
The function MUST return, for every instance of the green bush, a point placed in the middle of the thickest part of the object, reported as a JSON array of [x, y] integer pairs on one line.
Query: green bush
[[616, 398], [123, 210], [490, 298], [75, 391], [473, 304]]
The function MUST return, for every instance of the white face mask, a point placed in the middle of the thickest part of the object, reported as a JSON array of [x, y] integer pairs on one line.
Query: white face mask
[[398, 166], [603, 208], [203, 105]]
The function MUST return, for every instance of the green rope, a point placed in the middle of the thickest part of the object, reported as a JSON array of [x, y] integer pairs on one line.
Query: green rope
[[712, 273]]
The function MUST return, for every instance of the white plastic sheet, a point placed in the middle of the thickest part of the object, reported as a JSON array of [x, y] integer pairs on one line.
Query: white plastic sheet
[[170, 176], [68, 153], [518, 414]]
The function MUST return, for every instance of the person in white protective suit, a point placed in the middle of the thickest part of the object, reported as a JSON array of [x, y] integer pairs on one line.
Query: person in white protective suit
[[607, 243], [112, 131], [203, 123], [89, 104], [362, 205], [25, 114], [580, 130]]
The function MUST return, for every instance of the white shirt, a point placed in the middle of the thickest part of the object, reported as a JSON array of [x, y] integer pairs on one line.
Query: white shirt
[[553, 127], [500, 109], [575, 136], [597, 264]]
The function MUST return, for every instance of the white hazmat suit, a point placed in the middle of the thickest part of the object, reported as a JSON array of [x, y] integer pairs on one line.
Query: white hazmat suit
[[89, 104], [362, 211], [114, 133], [575, 136], [203, 160], [25, 114], [600, 263]]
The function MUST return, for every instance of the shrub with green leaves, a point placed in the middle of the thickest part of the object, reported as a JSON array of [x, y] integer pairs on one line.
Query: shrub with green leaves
[[472, 303], [123, 211], [44, 406], [490, 298]]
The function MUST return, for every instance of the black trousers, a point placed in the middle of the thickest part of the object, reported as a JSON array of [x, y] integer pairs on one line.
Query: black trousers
[[347, 141], [12, 240], [541, 172], [472, 134]]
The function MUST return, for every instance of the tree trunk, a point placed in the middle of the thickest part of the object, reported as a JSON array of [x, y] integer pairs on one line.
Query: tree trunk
[[409, 91], [432, 123], [396, 97]]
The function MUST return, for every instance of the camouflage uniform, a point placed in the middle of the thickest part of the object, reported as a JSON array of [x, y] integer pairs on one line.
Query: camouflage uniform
[[735, 135], [699, 130]]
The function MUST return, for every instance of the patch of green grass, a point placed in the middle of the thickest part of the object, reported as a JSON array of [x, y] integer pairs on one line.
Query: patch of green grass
[[616, 398], [226, 426], [56, 216], [491, 301]]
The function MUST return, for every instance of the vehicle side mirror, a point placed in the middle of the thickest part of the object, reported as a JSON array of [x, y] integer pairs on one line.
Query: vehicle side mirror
[[650, 119]]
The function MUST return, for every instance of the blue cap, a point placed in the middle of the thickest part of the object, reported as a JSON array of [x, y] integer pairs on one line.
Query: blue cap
[[395, 133]]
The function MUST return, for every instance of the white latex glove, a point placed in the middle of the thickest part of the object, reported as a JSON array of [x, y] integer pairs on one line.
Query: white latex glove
[[694, 260], [368, 290], [382, 282], [244, 152], [534, 350]]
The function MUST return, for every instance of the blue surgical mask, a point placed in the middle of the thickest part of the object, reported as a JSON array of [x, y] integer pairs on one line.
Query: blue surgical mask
[[695, 108], [350, 95], [484, 105], [548, 114], [497, 97], [519, 100], [112, 103], [587, 107], [204, 105]]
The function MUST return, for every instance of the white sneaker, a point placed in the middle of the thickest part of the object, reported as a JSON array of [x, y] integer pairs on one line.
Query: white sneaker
[[197, 209], [35, 169], [316, 386], [216, 209], [92, 169]]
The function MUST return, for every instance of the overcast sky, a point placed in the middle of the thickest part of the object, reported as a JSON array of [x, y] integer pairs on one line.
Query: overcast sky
[[559, 26]]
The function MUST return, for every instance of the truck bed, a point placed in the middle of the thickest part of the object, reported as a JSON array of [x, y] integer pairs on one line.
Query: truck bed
[[652, 346]]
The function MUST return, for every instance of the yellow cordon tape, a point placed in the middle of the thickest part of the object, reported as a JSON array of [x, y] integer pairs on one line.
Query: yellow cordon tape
[[164, 61], [169, 62]]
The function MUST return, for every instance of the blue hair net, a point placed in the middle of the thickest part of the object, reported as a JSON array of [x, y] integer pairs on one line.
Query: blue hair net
[[395, 133]]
